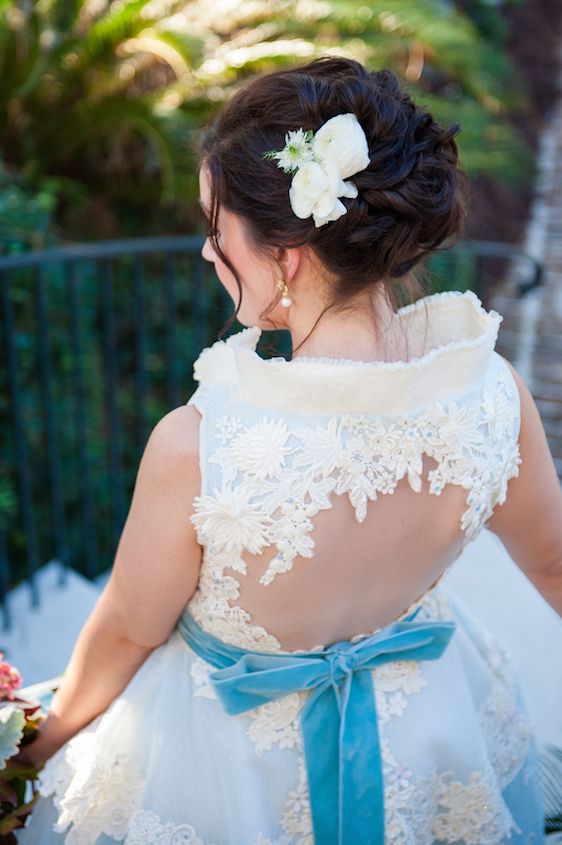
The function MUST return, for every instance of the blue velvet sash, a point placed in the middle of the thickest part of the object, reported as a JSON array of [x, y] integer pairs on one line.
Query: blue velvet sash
[[338, 719]]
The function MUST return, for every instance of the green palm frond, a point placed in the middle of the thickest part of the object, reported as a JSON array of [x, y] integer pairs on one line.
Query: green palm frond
[[82, 81], [98, 41]]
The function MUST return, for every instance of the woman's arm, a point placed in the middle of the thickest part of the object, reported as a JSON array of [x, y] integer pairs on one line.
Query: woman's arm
[[529, 523], [154, 574]]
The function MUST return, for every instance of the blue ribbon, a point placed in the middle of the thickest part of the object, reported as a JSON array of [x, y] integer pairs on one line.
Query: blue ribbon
[[338, 719]]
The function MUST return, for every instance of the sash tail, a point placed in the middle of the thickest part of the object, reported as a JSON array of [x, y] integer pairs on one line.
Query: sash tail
[[338, 720]]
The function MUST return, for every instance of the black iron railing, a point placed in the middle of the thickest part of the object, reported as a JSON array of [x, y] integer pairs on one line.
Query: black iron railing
[[98, 343], [480, 265]]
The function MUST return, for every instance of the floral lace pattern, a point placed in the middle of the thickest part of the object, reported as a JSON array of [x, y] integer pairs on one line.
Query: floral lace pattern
[[505, 727], [93, 797], [274, 480], [420, 811], [297, 820], [147, 828], [474, 813], [277, 723], [200, 671], [393, 683]]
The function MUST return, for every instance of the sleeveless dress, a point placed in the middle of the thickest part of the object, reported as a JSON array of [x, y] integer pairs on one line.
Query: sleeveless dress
[[409, 734]]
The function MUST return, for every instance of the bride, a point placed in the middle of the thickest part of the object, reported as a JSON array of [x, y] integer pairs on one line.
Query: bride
[[276, 658]]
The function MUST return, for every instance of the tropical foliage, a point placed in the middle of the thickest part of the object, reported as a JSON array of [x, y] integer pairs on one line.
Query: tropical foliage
[[107, 98], [25, 215]]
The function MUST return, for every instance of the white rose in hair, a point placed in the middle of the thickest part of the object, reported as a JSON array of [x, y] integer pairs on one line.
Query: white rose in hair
[[309, 184], [315, 190], [342, 139], [322, 162]]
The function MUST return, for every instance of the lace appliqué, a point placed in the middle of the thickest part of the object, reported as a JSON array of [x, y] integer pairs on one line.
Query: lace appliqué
[[438, 807], [277, 723], [506, 728], [474, 813], [275, 480], [272, 723], [147, 828], [275, 474], [210, 606], [393, 683], [297, 819], [93, 797], [200, 671], [442, 806]]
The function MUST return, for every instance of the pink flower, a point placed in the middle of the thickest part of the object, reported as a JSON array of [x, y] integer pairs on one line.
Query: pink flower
[[10, 679]]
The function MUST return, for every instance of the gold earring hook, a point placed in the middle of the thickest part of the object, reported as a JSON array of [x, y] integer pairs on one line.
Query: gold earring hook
[[285, 298]]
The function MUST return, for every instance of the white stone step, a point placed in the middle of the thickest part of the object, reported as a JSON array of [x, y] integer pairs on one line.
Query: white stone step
[[41, 639]]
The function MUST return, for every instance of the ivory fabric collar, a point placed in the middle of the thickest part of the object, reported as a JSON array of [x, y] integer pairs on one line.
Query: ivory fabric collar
[[455, 332]]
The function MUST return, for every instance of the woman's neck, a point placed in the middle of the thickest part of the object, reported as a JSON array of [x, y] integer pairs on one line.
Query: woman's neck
[[360, 334]]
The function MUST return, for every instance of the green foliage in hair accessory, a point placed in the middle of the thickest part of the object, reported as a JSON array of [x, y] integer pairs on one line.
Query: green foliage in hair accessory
[[297, 150]]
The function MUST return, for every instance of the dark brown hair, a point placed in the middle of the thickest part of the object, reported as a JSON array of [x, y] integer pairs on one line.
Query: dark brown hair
[[410, 197]]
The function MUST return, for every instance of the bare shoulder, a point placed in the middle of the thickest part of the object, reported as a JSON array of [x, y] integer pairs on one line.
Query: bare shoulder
[[169, 466], [169, 476], [158, 558], [177, 433], [173, 445]]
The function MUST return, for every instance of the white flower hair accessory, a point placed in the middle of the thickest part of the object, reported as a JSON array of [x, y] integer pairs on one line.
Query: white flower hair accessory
[[320, 163]]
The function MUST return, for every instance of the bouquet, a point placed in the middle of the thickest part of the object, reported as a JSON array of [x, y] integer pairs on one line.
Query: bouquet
[[19, 722]]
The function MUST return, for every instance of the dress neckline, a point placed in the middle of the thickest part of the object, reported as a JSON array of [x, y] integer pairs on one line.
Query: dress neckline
[[457, 333]]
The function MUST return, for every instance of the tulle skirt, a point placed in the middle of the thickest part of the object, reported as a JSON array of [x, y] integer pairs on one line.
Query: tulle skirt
[[166, 765]]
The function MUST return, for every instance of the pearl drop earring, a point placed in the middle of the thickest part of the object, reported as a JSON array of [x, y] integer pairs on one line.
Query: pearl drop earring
[[285, 299]]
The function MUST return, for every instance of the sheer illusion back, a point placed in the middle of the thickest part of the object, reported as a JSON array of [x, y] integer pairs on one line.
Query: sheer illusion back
[[336, 493]]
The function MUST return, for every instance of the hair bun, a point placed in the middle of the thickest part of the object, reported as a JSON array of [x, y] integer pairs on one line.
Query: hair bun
[[409, 196]]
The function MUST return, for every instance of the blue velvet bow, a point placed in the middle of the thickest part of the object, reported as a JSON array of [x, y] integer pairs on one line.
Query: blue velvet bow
[[338, 719]]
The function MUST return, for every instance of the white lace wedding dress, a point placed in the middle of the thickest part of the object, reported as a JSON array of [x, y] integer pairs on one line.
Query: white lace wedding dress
[[334, 496]]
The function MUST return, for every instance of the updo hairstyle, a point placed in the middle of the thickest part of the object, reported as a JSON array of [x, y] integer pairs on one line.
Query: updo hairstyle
[[410, 195]]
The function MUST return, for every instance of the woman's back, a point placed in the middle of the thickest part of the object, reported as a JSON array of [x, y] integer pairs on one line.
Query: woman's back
[[336, 493]]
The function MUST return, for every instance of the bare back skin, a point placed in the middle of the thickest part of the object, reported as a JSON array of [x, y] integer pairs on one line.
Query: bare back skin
[[363, 575]]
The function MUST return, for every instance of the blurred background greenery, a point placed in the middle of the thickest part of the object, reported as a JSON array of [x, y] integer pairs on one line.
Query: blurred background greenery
[[100, 105], [100, 101]]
